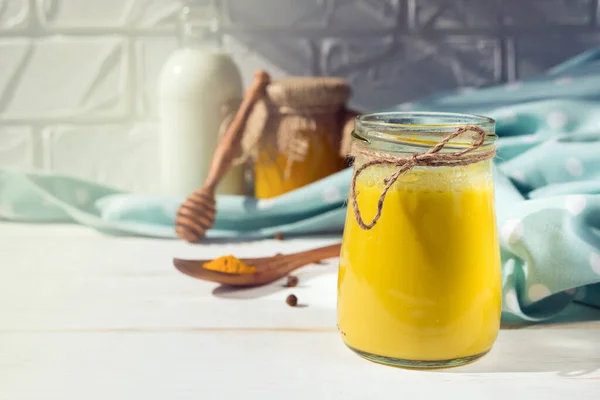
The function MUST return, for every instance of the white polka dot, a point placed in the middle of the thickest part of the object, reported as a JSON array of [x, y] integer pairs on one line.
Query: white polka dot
[[574, 167], [118, 203], [563, 80], [405, 106], [581, 292], [508, 116], [467, 89], [6, 210], [170, 209], [265, 203], [571, 291], [575, 203], [514, 86], [512, 231], [557, 120], [538, 291], [518, 176], [595, 262], [529, 138], [331, 195], [81, 196], [511, 301]]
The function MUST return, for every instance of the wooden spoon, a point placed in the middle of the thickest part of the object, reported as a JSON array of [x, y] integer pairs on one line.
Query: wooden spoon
[[196, 214], [268, 269]]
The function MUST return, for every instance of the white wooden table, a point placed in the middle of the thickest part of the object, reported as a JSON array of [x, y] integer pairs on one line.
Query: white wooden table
[[87, 316]]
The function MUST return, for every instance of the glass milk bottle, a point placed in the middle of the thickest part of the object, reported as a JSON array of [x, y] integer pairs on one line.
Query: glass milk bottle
[[199, 91]]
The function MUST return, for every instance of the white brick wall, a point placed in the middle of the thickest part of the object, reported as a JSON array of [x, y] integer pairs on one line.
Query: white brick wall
[[78, 77]]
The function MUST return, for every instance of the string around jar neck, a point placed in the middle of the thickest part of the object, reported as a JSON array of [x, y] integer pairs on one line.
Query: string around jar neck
[[431, 158]]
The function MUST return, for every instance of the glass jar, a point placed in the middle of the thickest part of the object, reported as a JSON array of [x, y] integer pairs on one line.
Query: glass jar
[[275, 175], [422, 287], [293, 134]]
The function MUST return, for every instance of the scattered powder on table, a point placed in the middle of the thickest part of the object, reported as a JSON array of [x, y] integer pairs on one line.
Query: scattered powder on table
[[229, 265]]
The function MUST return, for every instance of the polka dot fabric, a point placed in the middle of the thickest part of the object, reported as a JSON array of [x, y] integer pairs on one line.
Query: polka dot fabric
[[547, 177]]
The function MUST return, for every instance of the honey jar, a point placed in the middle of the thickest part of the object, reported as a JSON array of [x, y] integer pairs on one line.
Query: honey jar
[[294, 134]]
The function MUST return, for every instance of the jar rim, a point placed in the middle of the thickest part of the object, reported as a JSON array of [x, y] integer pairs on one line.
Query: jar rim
[[403, 127], [451, 119]]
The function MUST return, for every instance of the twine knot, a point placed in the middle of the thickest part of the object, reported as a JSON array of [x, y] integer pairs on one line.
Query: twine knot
[[431, 158]]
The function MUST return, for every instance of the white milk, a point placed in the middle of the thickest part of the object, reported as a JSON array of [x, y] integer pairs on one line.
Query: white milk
[[196, 85]]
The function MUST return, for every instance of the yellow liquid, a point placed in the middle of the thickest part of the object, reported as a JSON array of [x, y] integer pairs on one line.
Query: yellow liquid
[[424, 284], [321, 160]]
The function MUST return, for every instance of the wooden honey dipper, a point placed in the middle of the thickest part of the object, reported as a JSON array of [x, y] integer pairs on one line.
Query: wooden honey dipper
[[197, 213]]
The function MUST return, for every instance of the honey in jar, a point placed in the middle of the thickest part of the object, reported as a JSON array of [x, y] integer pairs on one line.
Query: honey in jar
[[293, 134]]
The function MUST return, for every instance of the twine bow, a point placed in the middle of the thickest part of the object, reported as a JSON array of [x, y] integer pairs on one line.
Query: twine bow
[[431, 158]]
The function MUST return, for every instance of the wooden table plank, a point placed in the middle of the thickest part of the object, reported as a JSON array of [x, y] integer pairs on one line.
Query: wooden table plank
[[292, 365], [90, 316]]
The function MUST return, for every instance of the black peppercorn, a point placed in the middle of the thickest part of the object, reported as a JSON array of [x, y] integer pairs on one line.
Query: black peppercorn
[[292, 281], [291, 300]]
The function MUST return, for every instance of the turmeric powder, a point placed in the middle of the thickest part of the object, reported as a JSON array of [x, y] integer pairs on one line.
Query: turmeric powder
[[229, 265]]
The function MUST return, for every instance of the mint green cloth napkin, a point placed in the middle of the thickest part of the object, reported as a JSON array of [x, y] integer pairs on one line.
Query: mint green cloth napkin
[[547, 178]]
